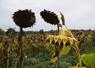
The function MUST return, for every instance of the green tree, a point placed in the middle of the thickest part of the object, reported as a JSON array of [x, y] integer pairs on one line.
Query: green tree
[[2, 32], [10, 31]]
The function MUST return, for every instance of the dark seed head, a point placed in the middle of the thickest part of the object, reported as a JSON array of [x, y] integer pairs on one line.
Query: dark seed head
[[49, 17], [24, 18]]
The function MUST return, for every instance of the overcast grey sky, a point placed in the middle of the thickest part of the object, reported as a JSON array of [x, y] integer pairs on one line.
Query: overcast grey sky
[[79, 14]]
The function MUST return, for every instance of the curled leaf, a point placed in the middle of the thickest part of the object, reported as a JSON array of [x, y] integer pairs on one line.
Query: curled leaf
[[62, 18]]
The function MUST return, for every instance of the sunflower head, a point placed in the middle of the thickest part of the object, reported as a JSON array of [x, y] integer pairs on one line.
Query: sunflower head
[[24, 18], [60, 39], [49, 17]]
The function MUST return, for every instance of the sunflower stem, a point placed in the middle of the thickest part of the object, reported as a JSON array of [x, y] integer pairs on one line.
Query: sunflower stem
[[77, 50], [78, 55], [57, 50], [58, 28], [20, 49]]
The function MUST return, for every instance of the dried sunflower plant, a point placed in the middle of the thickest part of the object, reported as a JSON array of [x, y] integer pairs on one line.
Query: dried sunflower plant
[[23, 19], [62, 44]]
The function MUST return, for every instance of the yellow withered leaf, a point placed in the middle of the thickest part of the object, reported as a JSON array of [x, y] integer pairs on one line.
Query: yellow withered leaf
[[71, 40], [59, 41], [53, 60], [65, 40], [64, 32], [50, 38], [65, 50], [55, 39]]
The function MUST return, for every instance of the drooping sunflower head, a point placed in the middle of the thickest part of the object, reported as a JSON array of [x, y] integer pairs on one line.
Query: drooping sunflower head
[[24, 18], [60, 39], [49, 17]]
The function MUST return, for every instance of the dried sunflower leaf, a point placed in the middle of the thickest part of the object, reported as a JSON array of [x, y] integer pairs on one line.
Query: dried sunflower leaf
[[65, 50], [53, 60], [55, 39]]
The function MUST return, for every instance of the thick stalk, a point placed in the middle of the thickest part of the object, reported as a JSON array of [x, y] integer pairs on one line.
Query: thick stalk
[[57, 64], [78, 55], [20, 49], [58, 28], [75, 47], [77, 51]]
